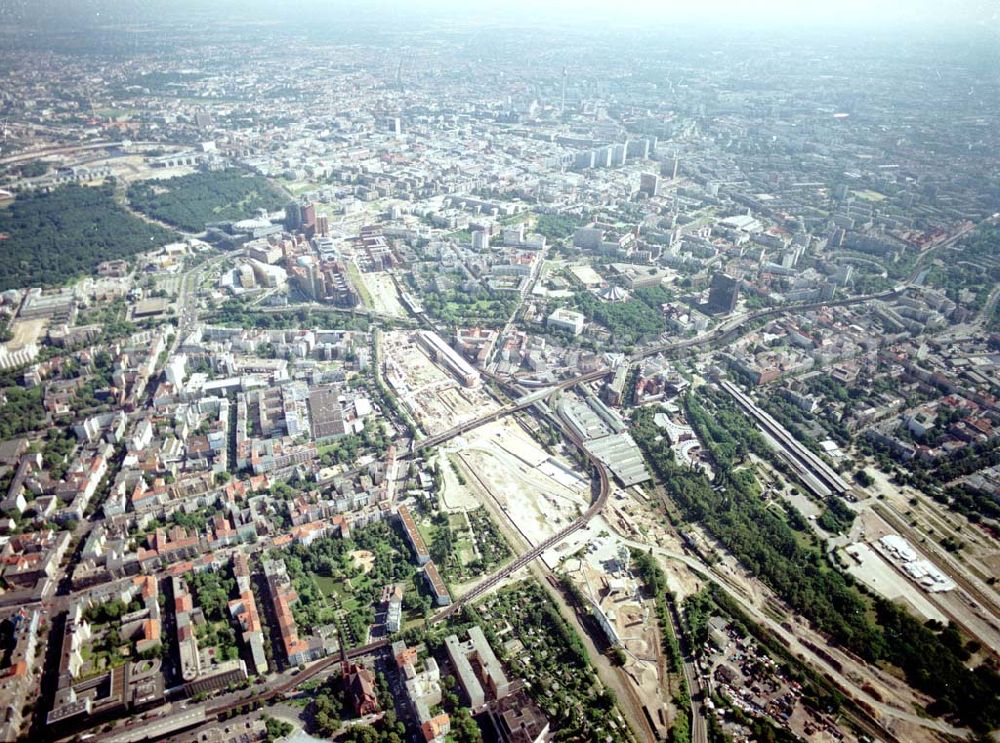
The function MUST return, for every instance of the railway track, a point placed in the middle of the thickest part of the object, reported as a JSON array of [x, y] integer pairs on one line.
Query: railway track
[[310, 672], [603, 491], [70, 149], [603, 488], [481, 588]]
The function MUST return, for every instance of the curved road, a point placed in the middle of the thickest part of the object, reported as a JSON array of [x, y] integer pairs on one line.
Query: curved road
[[603, 490], [721, 334]]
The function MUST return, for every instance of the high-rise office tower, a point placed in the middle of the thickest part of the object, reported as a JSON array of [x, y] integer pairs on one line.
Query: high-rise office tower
[[722, 294], [480, 240], [649, 184], [308, 215], [293, 215]]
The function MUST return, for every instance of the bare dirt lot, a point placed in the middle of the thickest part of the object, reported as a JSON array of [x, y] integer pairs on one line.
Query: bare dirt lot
[[980, 554], [602, 576], [868, 566], [535, 501], [383, 293], [27, 332], [363, 559]]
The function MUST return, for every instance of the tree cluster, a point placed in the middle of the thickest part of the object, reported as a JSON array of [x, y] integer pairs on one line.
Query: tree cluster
[[23, 411], [234, 314], [52, 237], [628, 321], [192, 201], [764, 542], [555, 227], [213, 590], [476, 306], [276, 729], [836, 517]]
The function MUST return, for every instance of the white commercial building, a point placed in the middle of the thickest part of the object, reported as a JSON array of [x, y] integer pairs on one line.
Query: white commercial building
[[563, 319], [176, 370]]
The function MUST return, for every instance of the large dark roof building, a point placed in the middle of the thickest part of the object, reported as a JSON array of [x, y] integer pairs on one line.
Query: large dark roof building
[[325, 414], [722, 294]]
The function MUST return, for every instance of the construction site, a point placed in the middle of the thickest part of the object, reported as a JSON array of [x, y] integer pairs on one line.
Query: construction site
[[435, 398]]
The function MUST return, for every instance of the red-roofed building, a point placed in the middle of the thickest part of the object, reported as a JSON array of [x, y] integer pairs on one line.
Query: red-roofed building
[[283, 595], [436, 728], [413, 536], [360, 684]]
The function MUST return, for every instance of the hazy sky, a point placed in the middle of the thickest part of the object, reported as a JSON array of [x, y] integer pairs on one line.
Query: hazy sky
[[777, 11], [882, 14]]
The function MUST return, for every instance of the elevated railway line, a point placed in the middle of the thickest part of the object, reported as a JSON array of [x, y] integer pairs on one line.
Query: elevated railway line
[[820, 476]]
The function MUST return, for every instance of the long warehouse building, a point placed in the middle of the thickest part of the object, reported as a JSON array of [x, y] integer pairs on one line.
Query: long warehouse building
[[447, 356]]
